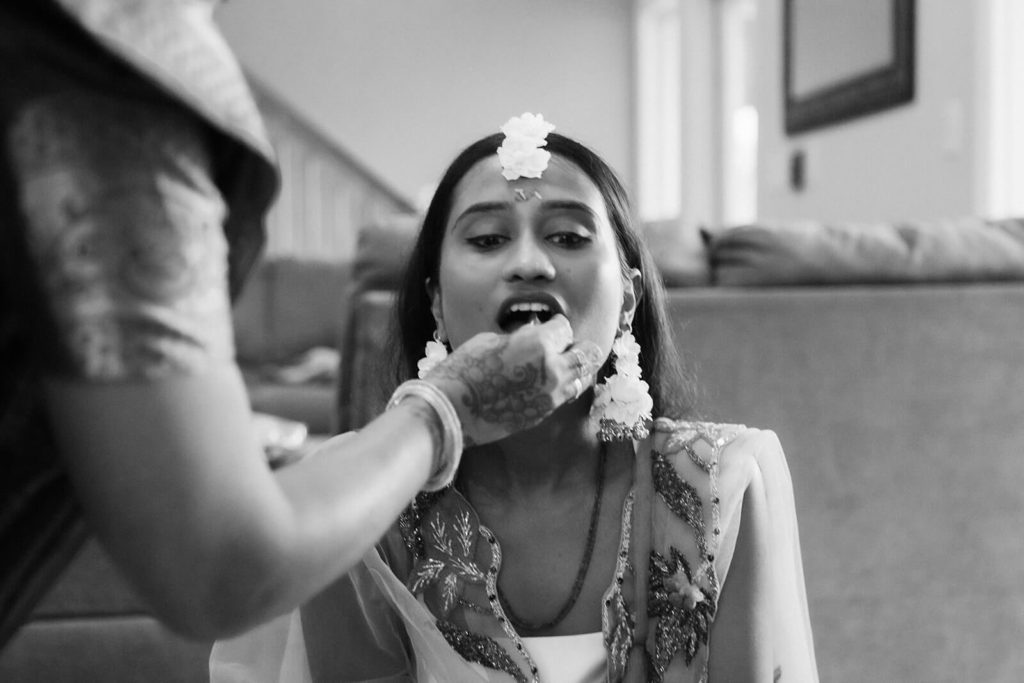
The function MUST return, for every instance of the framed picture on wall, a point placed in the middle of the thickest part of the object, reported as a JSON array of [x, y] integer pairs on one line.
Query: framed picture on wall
[[845, 59]]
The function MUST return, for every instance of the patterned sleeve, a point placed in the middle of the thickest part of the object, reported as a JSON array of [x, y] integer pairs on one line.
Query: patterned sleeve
[[124, 228]]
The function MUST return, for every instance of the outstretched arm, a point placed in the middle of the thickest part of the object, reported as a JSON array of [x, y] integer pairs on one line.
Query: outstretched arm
[[149, 408], [176, 488]]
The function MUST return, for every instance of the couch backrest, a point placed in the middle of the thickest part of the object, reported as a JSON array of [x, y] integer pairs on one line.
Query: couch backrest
[[901, 409], [289, 306]]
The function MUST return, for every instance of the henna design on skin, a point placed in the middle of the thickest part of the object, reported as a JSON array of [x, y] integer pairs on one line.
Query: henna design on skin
[[510, 396]]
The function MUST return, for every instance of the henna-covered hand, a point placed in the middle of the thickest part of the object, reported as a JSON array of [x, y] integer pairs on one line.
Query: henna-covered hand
[[503, 383]]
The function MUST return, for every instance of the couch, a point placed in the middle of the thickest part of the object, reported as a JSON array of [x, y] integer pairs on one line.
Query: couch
[[900, 404], [901, 410], [889, 358], [289, 323]]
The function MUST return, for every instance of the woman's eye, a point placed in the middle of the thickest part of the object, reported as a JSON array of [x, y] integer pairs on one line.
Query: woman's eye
[[569, 239], [489, 241]]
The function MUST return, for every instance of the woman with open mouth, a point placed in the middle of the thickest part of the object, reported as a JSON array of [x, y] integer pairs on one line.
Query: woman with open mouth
[[615, 540]]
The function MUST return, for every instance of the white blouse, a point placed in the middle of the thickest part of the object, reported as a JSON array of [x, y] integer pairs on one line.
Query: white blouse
[[569, 659]]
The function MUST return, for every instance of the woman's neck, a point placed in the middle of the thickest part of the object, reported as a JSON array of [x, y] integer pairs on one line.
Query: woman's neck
[[557, 454]]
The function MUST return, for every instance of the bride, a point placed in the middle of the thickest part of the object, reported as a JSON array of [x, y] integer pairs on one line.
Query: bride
[[599, 545]]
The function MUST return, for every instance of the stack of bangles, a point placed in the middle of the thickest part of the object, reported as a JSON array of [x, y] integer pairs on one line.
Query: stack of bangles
[[449, 437]]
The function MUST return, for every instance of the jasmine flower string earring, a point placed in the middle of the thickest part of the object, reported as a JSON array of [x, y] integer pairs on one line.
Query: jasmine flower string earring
[[435, 352], [622, 402]]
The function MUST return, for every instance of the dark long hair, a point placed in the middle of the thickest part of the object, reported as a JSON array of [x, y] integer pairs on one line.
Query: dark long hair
[[414, 324]]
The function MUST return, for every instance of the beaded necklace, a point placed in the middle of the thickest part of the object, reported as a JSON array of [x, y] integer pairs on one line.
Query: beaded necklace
[[522, 624]]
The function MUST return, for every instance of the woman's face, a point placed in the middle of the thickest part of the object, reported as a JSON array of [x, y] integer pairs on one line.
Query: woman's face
[[516, 253]]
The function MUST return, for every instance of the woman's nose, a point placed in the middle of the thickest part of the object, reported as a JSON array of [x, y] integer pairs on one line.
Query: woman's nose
[[528, 260]]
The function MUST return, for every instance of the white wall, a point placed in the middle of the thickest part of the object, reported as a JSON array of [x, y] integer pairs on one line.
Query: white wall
[[404, 85], [913, 161]]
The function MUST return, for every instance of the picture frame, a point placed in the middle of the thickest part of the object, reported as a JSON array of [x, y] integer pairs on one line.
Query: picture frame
[[845, 60]]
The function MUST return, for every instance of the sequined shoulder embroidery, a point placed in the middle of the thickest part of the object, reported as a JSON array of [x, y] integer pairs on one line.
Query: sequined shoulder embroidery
[[683, 593], [673, 435]]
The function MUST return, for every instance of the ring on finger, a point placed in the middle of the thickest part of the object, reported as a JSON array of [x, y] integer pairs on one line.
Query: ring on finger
[[580, 361], [577, 388]]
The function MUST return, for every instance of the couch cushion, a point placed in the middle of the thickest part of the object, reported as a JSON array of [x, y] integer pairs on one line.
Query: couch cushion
[[899, 408], [366, 373], [310, 403], [679, 253], [838, 253], [382, 251], [289, 306], [108, 649], [91, 586]]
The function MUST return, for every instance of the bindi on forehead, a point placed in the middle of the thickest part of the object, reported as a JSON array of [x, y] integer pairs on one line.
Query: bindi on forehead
[[483, 189], [521, 196]]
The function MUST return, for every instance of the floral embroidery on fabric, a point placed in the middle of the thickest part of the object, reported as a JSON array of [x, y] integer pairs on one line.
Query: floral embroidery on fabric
[[680, 497], [684, 608], [684, 598], [496, 608], [617, 621], [619, 640], [412, 517], [449, 560], [440, 531], [480, 650]]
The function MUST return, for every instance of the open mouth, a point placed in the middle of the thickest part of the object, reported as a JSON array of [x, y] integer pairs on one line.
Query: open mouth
[[521, 313]]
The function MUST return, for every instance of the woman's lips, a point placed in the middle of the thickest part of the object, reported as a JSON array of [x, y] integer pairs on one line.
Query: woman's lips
[[518, 312]]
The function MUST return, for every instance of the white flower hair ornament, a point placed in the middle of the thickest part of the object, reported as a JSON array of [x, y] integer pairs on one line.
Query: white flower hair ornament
[[520, 153]]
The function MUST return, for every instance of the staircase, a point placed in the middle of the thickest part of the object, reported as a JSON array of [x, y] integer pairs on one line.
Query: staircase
[[326, 194]]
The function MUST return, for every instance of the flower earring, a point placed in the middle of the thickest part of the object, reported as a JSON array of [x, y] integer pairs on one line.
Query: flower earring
[[434, 354], [622, 403]]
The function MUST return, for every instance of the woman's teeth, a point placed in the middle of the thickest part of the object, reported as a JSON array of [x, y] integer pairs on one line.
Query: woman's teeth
[[535, 310], [526, 313]]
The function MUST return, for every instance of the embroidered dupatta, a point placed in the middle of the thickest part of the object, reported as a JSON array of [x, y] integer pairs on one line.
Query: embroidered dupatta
[[444, 622]]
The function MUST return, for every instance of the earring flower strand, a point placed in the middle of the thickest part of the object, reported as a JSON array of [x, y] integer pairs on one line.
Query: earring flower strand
[[622, 403], [520, 153], [434, 354]]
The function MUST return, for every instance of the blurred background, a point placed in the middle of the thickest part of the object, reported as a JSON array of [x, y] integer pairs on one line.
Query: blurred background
[[684, 98], [834, 194]]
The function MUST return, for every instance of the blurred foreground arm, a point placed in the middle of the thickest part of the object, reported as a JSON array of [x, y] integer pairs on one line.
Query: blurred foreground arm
[[176, 487], [123, 228]]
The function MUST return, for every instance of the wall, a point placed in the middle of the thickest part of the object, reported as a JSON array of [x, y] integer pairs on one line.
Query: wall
[[404, 85], [913, 161]]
